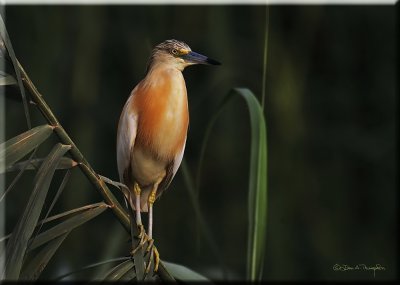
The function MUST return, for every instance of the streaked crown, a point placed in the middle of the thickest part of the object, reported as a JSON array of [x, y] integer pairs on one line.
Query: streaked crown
[[174, 47], [176, 54]]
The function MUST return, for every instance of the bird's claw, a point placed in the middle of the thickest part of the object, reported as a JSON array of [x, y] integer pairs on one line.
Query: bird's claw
[[142, 232], [154, 254], [151, 243], [143, 237]]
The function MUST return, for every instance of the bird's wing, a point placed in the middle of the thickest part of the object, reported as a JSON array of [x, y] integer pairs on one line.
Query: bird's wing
[[171, 170], [126, 135]]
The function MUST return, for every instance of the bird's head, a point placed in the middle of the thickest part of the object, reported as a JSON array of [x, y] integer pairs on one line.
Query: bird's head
[[177, 54]]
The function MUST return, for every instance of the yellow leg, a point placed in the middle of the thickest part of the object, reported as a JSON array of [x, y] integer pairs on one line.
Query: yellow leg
[[156, 259], [154, 254], [142, 233], [151, 246], [137, 191]]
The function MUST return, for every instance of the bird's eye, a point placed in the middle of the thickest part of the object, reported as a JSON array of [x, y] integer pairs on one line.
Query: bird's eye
[[174, 51]]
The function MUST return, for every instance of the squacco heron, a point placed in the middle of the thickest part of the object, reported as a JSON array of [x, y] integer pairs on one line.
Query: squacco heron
[[153, 126]]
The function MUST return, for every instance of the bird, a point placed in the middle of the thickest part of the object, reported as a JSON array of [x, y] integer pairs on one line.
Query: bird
[[152, 129]]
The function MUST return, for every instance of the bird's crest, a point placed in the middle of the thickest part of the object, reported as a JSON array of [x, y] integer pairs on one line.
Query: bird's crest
[[173, 45]]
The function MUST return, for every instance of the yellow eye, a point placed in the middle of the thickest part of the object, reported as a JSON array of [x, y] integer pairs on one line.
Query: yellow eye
[[174, 51]]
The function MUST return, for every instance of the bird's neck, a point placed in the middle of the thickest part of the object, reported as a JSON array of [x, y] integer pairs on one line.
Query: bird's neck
[[161, 64]]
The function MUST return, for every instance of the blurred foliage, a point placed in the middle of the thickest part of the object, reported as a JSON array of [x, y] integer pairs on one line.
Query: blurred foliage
[[330, 106]]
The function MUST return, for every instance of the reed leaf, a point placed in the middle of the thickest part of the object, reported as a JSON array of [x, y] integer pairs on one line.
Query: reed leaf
[[7, 43], [7, 80], [17, 177], [59, 191], [59, 216], [117, 272], [257, 196], [183, 273], [129, 275], [257, 192], [16, 148], [34, 164], [90, 266], [67, 225], [33, 269], [16, 247]]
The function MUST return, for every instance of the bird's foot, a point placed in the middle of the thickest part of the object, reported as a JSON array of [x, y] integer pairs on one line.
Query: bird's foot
[[154, 255], [143, 238]]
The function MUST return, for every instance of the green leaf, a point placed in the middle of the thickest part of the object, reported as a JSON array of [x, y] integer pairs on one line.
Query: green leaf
[[62, 215], [7, 80], [257, 201], [90, 266], [183, 273], [34, 268], [257, 193], [119, 271], [8, 45], [67, 225], [65, 163], [16, 148], [129, 275], [59, 191], [17, 245]]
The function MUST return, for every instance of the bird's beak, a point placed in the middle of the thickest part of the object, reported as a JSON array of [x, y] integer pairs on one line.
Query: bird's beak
[[196, 58]]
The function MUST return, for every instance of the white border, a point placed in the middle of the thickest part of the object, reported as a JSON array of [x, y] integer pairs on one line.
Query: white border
[[209, 2]]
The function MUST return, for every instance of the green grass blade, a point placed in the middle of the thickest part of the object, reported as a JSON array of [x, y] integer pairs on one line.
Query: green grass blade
[[34, 268], [59, 191], [183, 273], [59, 216], [34, 164], [257, 194], [7, 80], [265, 57], [16, 148], [90, 266], [67, 225], [17, 177], [17, 245], [118, 271], [129, 275], [8, 45], [257, 186]]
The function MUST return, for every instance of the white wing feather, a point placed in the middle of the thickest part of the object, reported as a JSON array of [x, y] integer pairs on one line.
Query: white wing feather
[[127, 128], [178, 160]]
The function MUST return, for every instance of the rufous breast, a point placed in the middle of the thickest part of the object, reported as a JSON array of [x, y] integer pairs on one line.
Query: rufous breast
[[160, 101]]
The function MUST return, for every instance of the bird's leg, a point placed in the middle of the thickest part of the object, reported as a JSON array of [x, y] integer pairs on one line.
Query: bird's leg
[[142, 234], [156, 256], [137, 191], [152, 198], [151, 246]]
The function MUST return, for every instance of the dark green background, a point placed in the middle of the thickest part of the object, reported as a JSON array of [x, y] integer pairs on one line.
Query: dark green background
[[330, 108]]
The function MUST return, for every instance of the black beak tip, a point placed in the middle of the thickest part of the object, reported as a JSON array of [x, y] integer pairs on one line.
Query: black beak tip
[[213, 61]]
